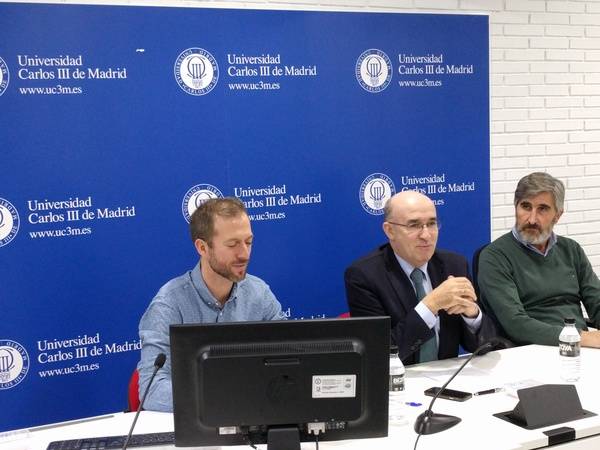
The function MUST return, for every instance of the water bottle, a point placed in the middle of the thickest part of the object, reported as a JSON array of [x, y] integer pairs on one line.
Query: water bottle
[[396, 397], [569, 348]]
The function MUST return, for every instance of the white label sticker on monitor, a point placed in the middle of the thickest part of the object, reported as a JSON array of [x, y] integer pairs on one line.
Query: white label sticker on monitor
[[333, 386]]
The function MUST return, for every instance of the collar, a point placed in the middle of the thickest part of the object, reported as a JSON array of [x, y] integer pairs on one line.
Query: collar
[[202, 289], [408, 268], [551, 242]]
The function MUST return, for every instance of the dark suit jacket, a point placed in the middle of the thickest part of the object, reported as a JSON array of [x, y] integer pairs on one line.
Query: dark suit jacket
[[376, 285]]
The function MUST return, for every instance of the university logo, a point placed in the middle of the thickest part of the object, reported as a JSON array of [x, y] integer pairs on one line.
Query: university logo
[[196, 196], [373, 70], [14, 363], [4, 76], [196, 71], [9, 222], [375, 190]]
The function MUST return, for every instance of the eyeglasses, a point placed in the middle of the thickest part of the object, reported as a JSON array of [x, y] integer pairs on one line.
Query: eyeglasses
[[417, 227]]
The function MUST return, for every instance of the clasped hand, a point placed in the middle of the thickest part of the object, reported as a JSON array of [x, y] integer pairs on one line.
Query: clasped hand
[[455, 296]]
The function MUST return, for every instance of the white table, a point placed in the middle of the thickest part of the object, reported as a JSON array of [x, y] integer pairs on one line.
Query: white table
[[477, 430]]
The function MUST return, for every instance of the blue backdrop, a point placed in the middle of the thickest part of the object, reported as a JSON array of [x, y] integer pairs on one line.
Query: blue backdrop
[[117, 121]]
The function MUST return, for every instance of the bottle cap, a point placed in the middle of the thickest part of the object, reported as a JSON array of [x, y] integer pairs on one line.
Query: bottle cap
[[569, 321]]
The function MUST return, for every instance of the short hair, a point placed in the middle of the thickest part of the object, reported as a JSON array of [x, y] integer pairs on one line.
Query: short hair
[[202, 220], [537, 182], [387, 209]]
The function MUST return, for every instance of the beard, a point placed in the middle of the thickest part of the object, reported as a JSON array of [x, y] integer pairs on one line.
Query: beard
[[225, 270], [533, 234]]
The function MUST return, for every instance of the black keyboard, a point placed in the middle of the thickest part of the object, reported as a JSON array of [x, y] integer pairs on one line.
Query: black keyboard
[[101, 443]]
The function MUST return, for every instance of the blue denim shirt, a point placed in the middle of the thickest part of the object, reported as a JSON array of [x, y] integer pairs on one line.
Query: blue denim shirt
[[186, 299]]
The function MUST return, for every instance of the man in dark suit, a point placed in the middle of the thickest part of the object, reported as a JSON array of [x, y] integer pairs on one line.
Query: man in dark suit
[[425, 291]]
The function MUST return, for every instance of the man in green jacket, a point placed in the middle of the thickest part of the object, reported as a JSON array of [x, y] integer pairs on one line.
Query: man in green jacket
[[533, 279]]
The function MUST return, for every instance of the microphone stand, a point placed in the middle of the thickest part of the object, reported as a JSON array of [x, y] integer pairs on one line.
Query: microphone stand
[[158, 363], [429, 422]]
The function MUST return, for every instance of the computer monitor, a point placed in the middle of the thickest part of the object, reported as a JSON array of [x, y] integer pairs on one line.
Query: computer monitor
[[280, 382]]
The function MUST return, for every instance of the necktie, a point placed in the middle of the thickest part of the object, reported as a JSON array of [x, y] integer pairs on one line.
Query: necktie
[[429, 350]]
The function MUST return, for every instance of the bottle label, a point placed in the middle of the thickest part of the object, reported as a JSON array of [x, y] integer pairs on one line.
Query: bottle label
[[396, 383], [571, 349]]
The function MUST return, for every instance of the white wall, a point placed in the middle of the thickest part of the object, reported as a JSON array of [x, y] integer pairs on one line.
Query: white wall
[[545, 95]]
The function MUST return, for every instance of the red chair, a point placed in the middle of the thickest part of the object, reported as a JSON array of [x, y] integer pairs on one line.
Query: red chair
[[133, 397]]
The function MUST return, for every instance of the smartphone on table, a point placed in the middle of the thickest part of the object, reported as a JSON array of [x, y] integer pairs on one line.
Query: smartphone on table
[[449, 394]]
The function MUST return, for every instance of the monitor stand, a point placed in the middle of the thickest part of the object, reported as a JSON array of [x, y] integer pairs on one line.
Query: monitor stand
[[283, 438]]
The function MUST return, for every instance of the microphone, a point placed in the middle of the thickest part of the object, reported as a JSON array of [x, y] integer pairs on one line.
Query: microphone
[[158, 363], [429, 422]]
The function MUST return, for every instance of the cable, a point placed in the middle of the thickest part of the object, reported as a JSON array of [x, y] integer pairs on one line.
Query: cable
[[246, 434], [417, 441]]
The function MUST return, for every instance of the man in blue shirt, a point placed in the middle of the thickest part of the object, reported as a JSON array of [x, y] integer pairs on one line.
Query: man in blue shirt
[[217, 289]]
